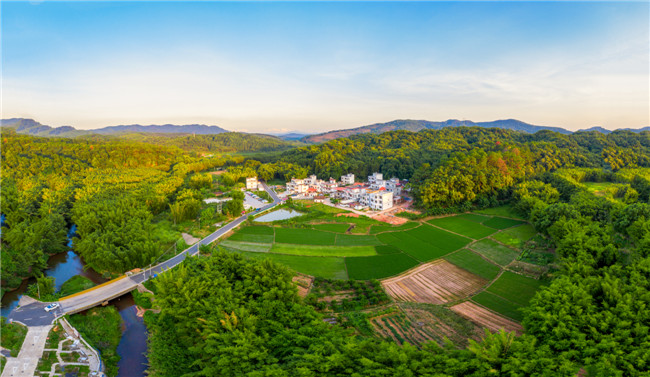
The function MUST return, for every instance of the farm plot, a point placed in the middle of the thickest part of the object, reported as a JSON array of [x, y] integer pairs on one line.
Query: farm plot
[[336, 228], [495, 252], [440, 323], [397, 327], [412, 246], [259, 234], [304, 283], [502, 223], [387, 249], [516, 237], [474, 263], [442, 241], [323, 251], [438, 282], [486, 318], [328, 267], [304, 236], [516, 288], [246, 246], [378, 266], [463, 226], [474, 217], [504, 211], [499, 305], [375, 229], [352, 240]]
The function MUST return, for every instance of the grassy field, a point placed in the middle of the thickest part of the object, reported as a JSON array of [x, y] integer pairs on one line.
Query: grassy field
[[304, 236], [463, 226], [410, 245], [256, 229], [494, 251], [246, 246], [517, 236], [502, 223], [387, 249], [75, 284], [444, 242], [499, 305], [474, 263], [247, 237], [516, 288], [505, 211], [354, 240], [474, 217], [378, 266], [327, 251], [13, 336], [393, 228], [327, 267], [598, 188], [336, 227]]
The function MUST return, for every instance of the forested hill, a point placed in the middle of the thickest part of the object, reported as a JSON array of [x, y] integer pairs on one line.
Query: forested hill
[[229, 142], [417, 125], [34, 128]]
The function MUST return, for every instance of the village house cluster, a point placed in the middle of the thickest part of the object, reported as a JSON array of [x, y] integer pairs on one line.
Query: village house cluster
[[377, 194]]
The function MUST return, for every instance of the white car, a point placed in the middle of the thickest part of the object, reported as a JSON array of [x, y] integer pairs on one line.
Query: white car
[[51, 307]]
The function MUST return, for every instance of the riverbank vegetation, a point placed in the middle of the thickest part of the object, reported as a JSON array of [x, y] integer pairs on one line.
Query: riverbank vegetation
[[13, 336], [101, 327]]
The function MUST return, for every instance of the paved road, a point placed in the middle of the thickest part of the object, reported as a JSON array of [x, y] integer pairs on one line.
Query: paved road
[[33, 314]]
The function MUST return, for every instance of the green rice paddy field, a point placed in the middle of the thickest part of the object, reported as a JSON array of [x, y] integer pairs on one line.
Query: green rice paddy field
[[332, 249]]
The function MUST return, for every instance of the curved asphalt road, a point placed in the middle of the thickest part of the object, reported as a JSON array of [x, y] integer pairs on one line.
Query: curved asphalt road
[[33, 313]]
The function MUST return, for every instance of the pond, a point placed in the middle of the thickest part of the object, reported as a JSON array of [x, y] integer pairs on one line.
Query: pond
[[281, 214]]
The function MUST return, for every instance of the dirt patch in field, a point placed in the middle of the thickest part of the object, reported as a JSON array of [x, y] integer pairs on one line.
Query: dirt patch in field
[[399, 328], [486, 318], [389, 219], [347, 215], [303, 282], [437, 282], [189, 239]]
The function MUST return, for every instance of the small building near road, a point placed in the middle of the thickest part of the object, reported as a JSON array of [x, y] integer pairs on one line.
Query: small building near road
[[251, 183]]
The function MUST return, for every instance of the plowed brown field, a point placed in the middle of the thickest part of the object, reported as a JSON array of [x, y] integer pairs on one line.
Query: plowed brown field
[[485, 317], [437, 282]]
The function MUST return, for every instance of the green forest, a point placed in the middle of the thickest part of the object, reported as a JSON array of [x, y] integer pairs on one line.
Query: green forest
[[586, 193]]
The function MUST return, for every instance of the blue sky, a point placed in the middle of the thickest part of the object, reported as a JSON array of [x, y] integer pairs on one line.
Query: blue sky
[[267, 66]]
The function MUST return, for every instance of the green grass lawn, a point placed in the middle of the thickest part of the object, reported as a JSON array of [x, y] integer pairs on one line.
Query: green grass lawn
[[495, 252], [499, 305], [327, 267], [378, 266], [474, 217], [516, 288], [337, 227], [354, 240], [517, 236], [329, 251], [304, 236], [246, 246], [13, 336], [393, 228], [387, 249], [463, 226], [505, 211], [474, 263], [501, 223]]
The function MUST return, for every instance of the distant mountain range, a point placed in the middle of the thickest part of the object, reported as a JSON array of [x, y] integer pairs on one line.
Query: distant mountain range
[[32, 127]]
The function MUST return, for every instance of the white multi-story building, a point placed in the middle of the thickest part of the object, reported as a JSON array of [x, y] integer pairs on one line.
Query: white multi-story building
[[251, 183], [393, 185], [375, 177], [377, 200], [347, 179]]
